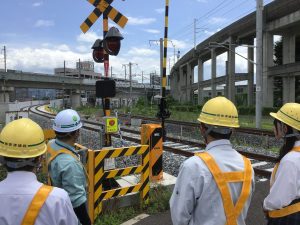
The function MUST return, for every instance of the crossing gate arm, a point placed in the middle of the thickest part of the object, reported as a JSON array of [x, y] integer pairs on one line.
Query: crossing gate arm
[[96, 163]]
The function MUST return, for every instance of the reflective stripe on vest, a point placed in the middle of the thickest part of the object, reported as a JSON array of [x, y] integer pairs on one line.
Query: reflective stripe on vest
[[289, 209], [232, 211], [36, 205], [53, 154]]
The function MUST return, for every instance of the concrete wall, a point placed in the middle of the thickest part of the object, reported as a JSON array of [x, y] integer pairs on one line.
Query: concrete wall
[[16, 106]]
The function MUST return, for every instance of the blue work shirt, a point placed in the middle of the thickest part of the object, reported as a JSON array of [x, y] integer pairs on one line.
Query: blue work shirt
[[68, 173]]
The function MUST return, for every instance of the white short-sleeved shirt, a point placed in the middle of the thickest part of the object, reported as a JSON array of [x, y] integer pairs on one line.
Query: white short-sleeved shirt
[[17, 192], [196, 199], [286, 187]]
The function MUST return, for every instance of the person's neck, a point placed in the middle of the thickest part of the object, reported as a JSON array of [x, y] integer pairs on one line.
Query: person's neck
[[210, 139], [69, 142]]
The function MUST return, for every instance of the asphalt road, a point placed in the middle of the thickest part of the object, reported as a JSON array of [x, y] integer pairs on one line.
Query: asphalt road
[[255, 214]]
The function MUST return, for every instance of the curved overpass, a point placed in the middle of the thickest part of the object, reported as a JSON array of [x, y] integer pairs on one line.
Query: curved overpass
[[281, 17]]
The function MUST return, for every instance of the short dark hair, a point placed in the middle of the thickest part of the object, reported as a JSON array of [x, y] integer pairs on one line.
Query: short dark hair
[[65, 136], [24, 168], [220, 136]]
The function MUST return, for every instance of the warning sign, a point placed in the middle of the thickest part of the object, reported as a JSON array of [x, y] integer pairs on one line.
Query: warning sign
[[111, 125]]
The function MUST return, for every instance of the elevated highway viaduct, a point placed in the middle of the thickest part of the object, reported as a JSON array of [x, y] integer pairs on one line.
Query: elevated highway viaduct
[[75, 86], [281, 17]]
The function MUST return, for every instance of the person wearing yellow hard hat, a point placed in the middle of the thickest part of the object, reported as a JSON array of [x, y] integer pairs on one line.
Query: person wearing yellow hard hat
[[64, 167], [24, 200], [282, 205], [214, 186]]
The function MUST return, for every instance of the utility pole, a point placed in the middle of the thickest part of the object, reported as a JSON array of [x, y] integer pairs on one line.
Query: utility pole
[[4, 49], [195, 23], [130, 81], [4, 54], [124, 65], [142, 77], [259, 56]]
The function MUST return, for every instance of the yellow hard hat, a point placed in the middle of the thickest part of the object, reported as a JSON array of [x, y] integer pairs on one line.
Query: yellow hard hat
[[219, 111], [289, 114], [22, 138]]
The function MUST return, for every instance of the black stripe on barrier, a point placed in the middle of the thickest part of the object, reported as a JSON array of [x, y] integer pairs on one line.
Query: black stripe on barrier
[[108, 9], [144, 184], [116, 193], [155, 139], [99, 166], [123, 152], [157, 167], [88, 22], [136, 150], [97, 12], [118, 17], [145, 167]]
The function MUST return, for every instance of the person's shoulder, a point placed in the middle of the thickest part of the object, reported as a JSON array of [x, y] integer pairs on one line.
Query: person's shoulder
[[59, 194], [193, 162]]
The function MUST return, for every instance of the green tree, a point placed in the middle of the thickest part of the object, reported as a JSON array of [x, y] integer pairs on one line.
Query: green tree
[[278, 52]]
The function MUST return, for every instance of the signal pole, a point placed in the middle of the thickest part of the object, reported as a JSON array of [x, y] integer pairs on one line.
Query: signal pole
[[4, 54], [259, 55]]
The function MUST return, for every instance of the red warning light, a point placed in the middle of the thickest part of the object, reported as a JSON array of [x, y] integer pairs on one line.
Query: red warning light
[[111, 122]]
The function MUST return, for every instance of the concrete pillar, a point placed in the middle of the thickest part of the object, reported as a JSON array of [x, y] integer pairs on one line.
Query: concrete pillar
[[268, 85], [189, 80], [288, 48], [231, 71], [75, 100], [181, 83], [213, 72], [5, 92], [250, 76], [200, 79], [4, 97], [288, 84]]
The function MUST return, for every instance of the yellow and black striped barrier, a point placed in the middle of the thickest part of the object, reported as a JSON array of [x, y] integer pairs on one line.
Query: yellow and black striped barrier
[[151, 134], [97, 175]]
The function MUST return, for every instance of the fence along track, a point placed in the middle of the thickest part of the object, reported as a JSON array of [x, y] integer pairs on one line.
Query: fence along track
[[177, 146]]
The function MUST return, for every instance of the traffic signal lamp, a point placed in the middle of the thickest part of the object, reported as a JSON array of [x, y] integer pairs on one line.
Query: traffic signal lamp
[[98, 51], [112, 41]]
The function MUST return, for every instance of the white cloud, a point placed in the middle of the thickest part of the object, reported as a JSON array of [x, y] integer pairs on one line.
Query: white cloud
[[83, 49], [152, 31], [89, 37], [37, 4], [180, 44], [142, 52], [44, 23], [43, 60], [160, 10], [140, 21], [217, 20], [63, 48]]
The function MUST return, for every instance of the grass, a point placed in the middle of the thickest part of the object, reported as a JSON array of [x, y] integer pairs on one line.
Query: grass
[[88, 111], [245, 120], [158, 202]]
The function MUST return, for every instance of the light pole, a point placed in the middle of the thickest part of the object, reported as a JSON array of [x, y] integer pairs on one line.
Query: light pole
[[259, 56]]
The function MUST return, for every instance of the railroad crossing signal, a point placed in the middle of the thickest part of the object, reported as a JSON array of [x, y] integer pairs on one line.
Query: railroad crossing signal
[[103, 6]]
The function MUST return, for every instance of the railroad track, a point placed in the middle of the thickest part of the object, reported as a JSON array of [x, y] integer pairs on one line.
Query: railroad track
[[254, 131], [181, 147]]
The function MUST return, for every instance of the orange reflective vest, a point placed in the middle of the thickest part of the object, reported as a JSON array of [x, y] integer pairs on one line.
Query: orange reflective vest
[[232, 211], [288, 210], [36, 204], [52, 154]]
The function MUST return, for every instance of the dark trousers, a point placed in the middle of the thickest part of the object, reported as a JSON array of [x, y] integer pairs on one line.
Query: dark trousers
[[293, 219]]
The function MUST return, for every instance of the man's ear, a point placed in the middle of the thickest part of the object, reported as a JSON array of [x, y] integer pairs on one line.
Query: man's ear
[[285, 128], [202, 128]]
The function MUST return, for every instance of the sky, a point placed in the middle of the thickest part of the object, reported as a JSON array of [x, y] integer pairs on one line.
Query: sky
[[40, 35]]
